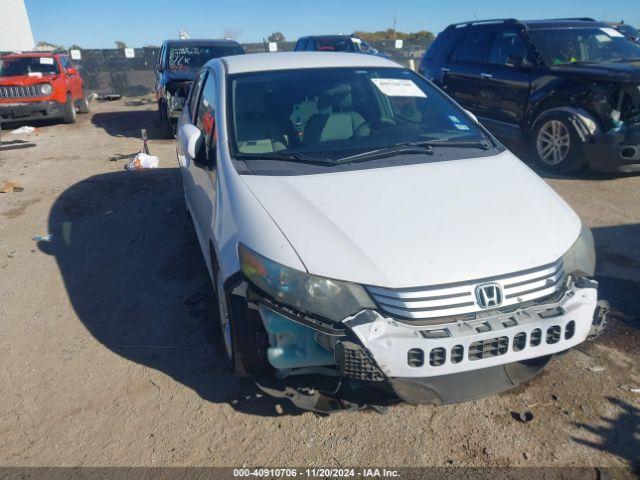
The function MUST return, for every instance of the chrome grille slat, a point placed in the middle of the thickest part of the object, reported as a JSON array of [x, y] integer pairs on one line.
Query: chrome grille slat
[[433, 302], [14, 91]]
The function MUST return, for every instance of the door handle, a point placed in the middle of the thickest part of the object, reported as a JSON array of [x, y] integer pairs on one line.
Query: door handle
[[486, 75]]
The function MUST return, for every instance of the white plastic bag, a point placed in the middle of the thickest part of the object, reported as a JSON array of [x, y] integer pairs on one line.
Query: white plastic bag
[[143, 161], [25, 129]]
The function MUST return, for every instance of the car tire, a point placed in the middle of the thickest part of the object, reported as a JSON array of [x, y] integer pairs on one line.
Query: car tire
[[165, 124], [557, 146], [83, 104], [69, 115], [229, 339]]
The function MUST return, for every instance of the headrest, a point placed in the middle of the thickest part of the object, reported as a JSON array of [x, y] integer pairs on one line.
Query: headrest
[[249, 102], [336, 97]]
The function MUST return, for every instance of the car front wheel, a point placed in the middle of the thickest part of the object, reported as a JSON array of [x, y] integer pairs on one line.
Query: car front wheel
[[69, 115], [228, 330], [557, 146]]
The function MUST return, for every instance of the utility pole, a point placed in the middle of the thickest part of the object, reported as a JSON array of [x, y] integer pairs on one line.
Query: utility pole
[[395, 21]]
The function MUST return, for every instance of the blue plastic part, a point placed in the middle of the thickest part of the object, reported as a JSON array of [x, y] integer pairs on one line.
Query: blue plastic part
[[292, 344]]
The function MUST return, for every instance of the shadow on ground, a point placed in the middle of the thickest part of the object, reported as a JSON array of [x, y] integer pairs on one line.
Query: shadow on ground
[[128, 123], [135, 275], [619, 435]]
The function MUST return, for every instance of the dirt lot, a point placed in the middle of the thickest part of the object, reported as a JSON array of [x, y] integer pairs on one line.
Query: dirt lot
[[107, 341]]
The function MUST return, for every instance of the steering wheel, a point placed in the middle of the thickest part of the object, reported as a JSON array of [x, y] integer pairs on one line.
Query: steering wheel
[[380, 124]]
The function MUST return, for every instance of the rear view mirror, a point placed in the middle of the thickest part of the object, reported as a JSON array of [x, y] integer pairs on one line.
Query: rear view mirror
[[192, 142], [472, 115], [72, 71]]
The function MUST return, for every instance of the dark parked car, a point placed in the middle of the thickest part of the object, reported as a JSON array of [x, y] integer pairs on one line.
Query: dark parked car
[[178, 63], [570, 87], [336, 43], [627, 30]]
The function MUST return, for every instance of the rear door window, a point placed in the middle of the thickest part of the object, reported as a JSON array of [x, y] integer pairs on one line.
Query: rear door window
[[473, 47]]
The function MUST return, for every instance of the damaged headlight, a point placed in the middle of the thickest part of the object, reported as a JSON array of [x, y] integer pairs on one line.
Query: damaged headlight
[[331, 299], [580, 260]]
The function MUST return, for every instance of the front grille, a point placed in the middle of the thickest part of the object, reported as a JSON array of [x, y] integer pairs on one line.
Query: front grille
[[437, 357], [19, 91], [433, 302]]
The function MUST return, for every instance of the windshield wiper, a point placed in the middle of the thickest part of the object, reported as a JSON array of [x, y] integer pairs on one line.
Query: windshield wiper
[[296, 157], [482, 144], [396, 149]]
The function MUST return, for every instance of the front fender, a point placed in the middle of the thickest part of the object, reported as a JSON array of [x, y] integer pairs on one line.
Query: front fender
[[585, 123]]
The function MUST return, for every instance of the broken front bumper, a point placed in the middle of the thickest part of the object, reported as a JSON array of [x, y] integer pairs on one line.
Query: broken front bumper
[[454, 361], [615, 151]]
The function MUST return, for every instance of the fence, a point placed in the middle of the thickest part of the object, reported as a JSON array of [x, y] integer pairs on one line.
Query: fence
[[129, 72]]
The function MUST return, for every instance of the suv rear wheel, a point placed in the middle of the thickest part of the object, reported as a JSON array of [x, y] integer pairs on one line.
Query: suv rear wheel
[[69, 115], [557, 146]]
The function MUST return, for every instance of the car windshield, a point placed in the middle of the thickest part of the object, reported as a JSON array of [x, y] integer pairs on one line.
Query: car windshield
[[334, 44], [331, 114], [193, 57], [34, 66], [563, 46]]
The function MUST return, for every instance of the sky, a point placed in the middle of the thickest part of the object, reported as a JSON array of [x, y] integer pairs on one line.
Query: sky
[[99, 23]]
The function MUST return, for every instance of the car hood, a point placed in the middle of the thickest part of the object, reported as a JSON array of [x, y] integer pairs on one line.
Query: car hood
[[423, 224], [25, 80], [628, 72]]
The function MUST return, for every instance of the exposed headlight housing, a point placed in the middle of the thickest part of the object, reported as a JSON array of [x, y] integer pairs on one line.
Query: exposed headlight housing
[[580, 259], [331, 299], [45, 89]]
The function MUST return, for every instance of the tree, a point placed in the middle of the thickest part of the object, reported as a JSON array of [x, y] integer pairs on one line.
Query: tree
[[120, 44], [390, 34], [276, 37], [46, 46]]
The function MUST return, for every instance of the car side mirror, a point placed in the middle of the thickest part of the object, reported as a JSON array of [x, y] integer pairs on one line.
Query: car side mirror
[[192, 142], [72, 71]]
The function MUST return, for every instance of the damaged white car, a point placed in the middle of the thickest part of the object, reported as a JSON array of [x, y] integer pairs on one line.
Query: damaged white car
[[369, 241]]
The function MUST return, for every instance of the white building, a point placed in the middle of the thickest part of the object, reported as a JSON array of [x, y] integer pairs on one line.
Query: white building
[[15, 30]]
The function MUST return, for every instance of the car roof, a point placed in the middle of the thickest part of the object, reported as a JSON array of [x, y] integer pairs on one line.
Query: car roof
[[530, 24], [260, 62], [194, 42], [32, 54]]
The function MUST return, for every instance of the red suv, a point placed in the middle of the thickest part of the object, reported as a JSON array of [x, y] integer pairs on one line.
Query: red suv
[[40, 85]]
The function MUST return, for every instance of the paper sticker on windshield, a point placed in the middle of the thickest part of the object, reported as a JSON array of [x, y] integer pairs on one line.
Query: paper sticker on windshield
[[603, 38], [460, 126], [612, 32], [46, 60], [394, 87]]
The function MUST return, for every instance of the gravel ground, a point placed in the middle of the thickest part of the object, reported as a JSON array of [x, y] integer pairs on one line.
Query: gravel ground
[[108, 354]]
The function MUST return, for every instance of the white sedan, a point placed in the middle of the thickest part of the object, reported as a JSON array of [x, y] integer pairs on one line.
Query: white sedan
[[369, 241]]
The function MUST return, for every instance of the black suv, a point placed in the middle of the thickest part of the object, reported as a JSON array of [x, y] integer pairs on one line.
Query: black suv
[[177, 65], [336, 43], [571, 87]]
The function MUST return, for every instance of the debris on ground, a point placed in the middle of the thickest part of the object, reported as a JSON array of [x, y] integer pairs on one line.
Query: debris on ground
[[111, 97], [23, 129], [139, 102], [122, 156], [524, 417], [43, 238], [10, 187], [596, 368], [631, 389], [142, 161], [12, 254]]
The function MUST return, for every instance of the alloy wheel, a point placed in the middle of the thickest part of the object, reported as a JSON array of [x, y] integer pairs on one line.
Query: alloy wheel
[[553, 142]]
